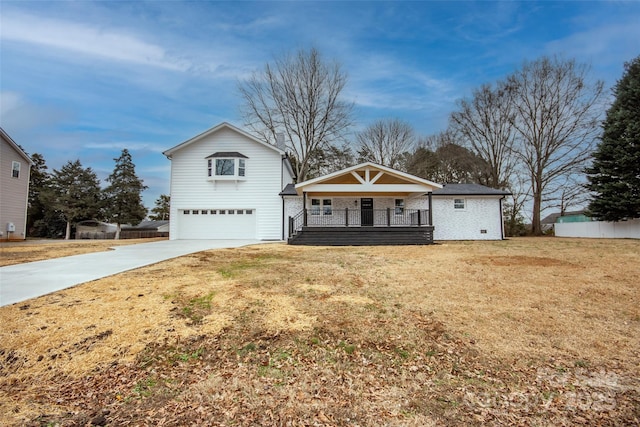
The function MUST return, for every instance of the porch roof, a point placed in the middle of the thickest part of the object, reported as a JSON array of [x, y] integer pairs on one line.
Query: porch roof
[[367, 178]]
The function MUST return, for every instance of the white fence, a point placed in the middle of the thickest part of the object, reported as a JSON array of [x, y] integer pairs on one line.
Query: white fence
[[599, 229]]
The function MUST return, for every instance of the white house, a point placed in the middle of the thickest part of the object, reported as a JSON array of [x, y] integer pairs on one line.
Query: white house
[[225, 183]]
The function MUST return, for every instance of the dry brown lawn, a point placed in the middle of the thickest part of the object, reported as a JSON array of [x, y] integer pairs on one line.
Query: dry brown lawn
[[28, 251], [529, 331]]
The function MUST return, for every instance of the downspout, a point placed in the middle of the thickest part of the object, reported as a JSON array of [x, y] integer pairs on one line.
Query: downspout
[[502, 218], [281, 186], [430, 209]]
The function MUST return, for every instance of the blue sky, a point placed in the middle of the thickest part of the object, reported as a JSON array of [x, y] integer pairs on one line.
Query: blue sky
[[83, 80]]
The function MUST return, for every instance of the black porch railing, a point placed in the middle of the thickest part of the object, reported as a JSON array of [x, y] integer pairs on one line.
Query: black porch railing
[[358, 218]]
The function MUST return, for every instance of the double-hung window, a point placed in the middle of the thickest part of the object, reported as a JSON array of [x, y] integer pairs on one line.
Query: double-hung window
[[399, 206], [15, 169], [226, 165], [458, 204]]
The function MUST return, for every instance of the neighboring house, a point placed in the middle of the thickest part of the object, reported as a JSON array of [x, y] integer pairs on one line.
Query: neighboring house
[[225, 185], [15, 169], [574, 216]]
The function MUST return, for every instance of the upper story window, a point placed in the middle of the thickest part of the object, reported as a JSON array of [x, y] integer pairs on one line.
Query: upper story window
[[15, 169], [226, 165], [399, 205], [458, 204]]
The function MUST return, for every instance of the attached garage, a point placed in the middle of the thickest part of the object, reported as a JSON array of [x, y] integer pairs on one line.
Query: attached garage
[[217, 224]]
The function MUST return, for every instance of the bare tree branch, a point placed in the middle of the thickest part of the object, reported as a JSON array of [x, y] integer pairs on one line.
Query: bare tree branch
[[385, 142], [298, 96]]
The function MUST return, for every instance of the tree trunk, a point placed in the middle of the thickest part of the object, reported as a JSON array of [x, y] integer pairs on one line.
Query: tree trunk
[[536, 226], [67, 234], [117, 236]]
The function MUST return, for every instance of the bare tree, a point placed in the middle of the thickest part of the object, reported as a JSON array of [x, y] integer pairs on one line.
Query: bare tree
[[298, 96], [483, 123], [439, 158], [385, 142], [556, 120]]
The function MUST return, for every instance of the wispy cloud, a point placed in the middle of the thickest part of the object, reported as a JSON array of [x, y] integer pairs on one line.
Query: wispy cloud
[[107, 43]]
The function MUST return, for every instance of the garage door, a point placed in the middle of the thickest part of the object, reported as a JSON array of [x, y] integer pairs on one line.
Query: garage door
[[217, 224]]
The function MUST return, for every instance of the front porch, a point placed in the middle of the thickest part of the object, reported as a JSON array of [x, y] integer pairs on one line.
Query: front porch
[[366, 204], [358, 227]]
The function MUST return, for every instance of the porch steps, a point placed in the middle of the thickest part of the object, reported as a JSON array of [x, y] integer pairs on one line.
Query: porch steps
[[363, 236]]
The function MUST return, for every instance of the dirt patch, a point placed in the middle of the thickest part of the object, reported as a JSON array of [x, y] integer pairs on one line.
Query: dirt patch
[[523, 261], [277, 335]]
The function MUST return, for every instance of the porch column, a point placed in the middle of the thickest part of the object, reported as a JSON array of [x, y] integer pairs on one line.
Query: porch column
[[304, 208], [430, 209]]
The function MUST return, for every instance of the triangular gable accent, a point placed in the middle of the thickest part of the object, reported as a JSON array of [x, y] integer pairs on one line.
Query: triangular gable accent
[[223, 125], [368, 177], [15, 146]]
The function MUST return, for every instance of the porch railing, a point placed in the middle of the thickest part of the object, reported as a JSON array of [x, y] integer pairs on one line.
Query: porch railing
[[358, 218]]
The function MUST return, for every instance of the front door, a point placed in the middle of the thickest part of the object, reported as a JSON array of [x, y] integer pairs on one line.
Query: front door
[[366, 212]]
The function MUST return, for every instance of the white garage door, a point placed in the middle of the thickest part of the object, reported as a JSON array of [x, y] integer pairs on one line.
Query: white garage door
[[217, 224]]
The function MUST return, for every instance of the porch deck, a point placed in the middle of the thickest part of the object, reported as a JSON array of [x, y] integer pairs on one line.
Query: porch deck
[[361, 227]]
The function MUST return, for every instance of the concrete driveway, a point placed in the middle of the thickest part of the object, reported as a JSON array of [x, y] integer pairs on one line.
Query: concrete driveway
[[24, 281]]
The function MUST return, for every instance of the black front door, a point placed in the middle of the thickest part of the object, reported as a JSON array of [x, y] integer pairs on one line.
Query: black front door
[[366, 212]]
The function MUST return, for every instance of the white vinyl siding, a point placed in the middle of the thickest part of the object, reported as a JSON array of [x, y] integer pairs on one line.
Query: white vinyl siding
[[263, 179]]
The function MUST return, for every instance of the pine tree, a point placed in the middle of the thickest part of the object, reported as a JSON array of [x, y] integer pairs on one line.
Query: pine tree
[[161, 210], [614, 176], [124, 194], [75, 193], [39, 182]]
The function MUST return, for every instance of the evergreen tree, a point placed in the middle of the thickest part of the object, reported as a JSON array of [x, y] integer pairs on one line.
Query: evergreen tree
[[162, 208], [39, 182], [124, 194], [75, 194], [614, 176]]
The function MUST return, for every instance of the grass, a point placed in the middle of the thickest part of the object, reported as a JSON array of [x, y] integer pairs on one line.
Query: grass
[[533, 331]]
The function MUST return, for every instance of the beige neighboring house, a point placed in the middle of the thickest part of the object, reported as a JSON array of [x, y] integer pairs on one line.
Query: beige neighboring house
[[15, 169]]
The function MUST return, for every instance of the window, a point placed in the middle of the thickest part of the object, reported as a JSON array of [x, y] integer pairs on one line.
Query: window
[[458, 203], [226, 165], [326, 207], [15, 169], [186, 212], [399, 206], [321, 206], [249, 212]]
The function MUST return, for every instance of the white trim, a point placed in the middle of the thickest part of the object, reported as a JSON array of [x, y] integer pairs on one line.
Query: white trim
[[367, 167], [223, 125]]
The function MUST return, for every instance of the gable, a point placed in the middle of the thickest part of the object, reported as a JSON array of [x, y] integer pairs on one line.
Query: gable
[[222, 126], [6, 139], [367, 178]]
